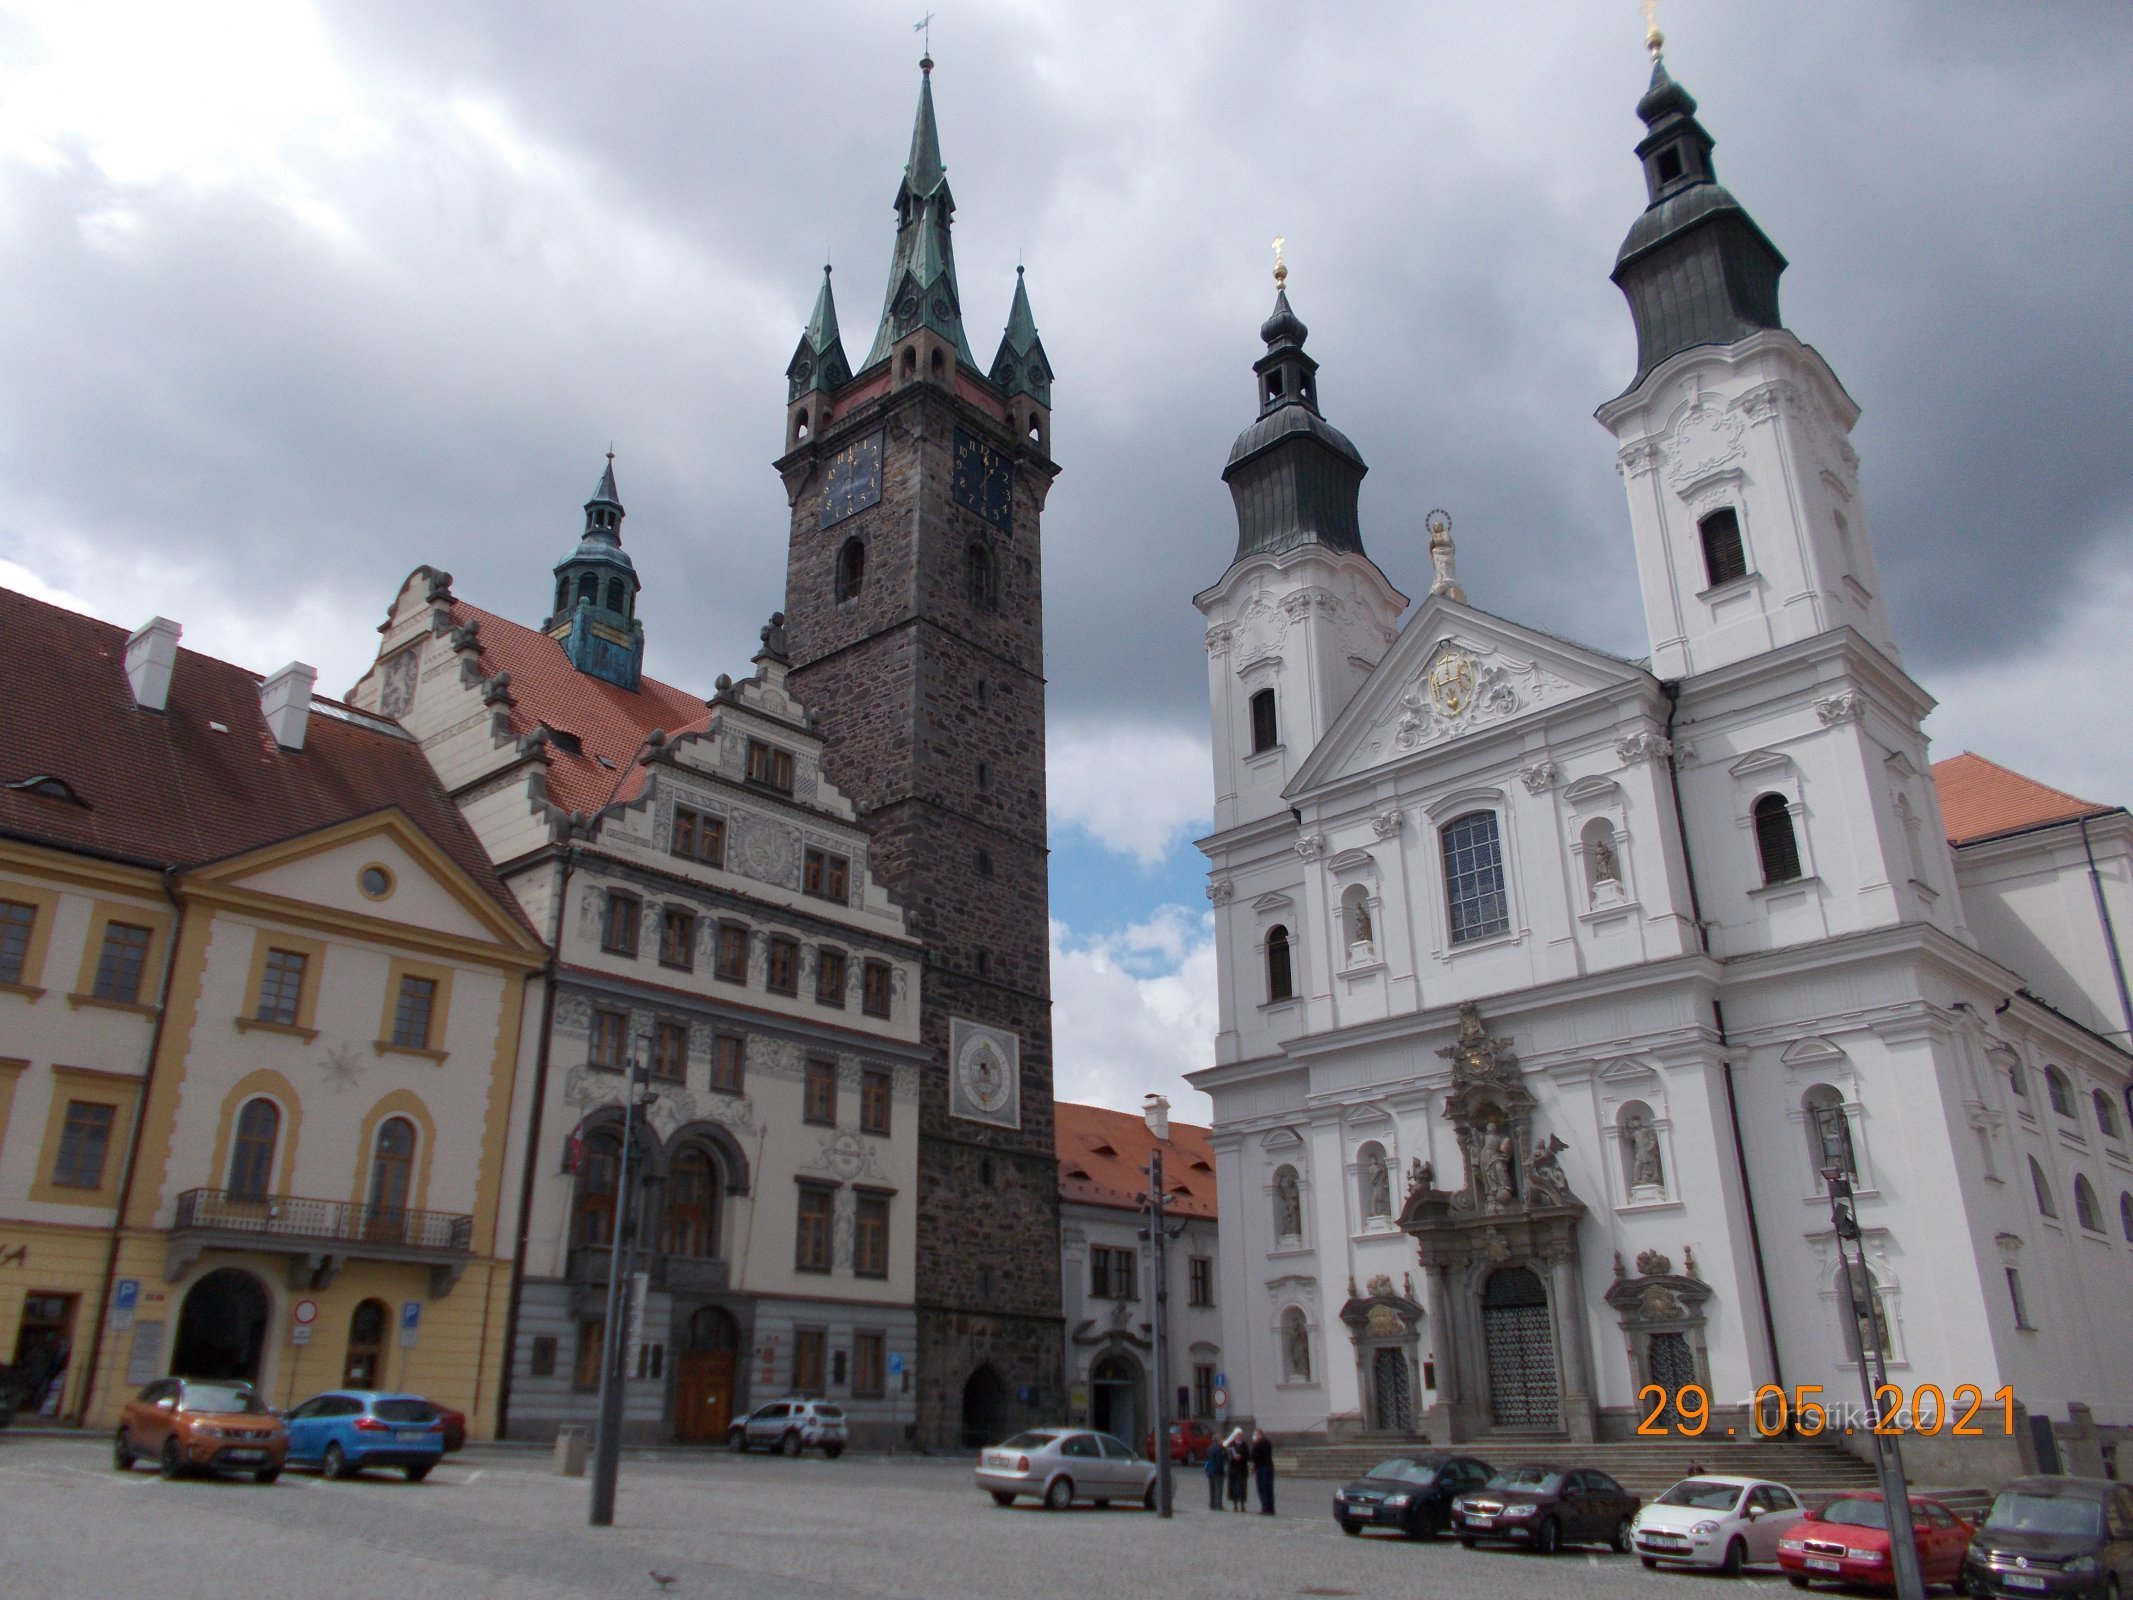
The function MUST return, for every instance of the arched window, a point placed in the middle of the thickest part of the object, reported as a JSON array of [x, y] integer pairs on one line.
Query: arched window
[[599, 1166], [617, 596], [2086, 1211], [366, 1344], [2125, 1216], [1280, 978], [562, 594], [1774, 841], [252, 1150], [692, 1204], [1473, 877], [851, 569], [392, 1168], [588, 589], [1829, 1131], [981, 574], [2106, 1114], [1266, 729], [2046, 1205], [1724, 557], [1643, 1166], [1295, 1346], [2060, 1091], [2017, 1079], [1873, 1315], [1373, 1178], [1288, 1204]]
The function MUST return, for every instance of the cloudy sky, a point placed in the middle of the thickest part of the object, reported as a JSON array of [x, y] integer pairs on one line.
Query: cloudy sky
[[298, 294]]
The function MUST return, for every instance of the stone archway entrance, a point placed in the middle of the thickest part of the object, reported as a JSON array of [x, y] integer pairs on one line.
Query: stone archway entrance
[[703, 1377], [1115, 1389], [222, 1328], [984, 1408], [1520, 1340]]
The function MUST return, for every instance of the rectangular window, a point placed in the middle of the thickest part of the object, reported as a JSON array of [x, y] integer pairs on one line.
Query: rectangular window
[[411, 1013], [811, 1242], [728, 1057], [670, 1051], [1111, 1274], [84, 1141], [677, 938], [699, 837], [876, 1085], [810, 1348], [1203, 1391], [825, 876], [281, 987], [820, 1102], [767, 764], [829, 977], [1200, 1281], [732, 952], [870, 1236], [16, 921], [591, 1340], [118, 966], [610, 1038], [618, 929], [541, 1364], [1473, 877], [874, 989], [784, 973], [870, 1366]]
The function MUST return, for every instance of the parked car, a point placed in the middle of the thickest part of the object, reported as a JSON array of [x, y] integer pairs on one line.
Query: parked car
[[455, 1427], [1190, 1440], [193, 1425], [791, 1426], [1062, 1465], [343, 1431], [1546, 1507], [2054, 1536], [1412, 1494], [1717, 1522], [1847, 1542]]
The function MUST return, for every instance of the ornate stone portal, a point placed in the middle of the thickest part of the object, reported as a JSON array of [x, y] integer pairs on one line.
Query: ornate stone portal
[[1506, 1301], [1385, 1327], [1662, 1315]]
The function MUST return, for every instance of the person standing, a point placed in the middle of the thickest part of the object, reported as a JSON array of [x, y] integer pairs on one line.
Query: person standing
[[1216, 1467], [1237, 1457], [1261, 1455]]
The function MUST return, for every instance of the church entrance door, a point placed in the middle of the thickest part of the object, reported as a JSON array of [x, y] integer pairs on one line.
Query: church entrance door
[[703, 1379], [984, 1408], [1670, 1364], [1115, 1398], [1391, 1393], [1523, 1384]]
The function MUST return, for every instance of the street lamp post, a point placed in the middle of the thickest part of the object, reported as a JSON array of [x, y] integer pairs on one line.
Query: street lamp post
[[1833, 1131], [1158, 1203], [607, 1443]]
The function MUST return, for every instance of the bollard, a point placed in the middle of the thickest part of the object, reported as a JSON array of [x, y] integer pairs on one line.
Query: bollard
[[570, 1451]]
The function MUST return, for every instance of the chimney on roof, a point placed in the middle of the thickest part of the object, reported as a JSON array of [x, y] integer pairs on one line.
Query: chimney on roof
[[151, 654], [286, 700], [1157, 1112]]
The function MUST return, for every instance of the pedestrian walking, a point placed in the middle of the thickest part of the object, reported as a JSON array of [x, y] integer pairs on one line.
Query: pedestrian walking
[[1262, 1459], [1237, 1458], [1216, 1468]]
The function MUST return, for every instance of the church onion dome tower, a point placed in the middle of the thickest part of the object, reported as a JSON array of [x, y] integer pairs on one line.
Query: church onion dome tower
[[1695, 267], [595, 618], [922, 291], [1293, 475]]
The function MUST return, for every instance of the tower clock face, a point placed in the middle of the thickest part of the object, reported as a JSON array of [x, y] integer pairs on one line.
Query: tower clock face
[[985, 480], [851, 480]]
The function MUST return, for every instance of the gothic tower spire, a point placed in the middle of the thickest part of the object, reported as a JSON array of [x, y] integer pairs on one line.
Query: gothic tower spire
[[922, 289], [595, 617], [819, 365]]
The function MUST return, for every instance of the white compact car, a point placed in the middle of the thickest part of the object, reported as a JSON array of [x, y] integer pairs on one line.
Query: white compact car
[[1062, 1465], [1715, 1522], [791, 1426]]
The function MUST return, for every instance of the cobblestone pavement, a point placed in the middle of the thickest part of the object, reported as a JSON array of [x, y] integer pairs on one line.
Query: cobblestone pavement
[[496, 1523]]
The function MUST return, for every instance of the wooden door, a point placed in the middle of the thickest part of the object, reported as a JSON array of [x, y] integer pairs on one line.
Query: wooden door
[[703, 1395]]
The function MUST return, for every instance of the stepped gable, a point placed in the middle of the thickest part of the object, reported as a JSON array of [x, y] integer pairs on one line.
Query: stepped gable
[[1980, 799], [1103, 1155], [169, 788], [605, 719]]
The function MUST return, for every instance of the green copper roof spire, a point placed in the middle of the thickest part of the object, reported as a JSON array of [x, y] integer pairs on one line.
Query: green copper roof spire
[[922, 288], [1021, 367], [819, 363]]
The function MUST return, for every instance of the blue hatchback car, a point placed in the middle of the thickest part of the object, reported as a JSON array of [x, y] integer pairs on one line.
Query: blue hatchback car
[[343, 1431]]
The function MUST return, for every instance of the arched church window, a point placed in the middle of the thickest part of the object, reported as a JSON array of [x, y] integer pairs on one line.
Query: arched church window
[[1295, 1346], [2060, 1092], [2046, 1205], [851, 570], [799, 425], [2017, 1079], [1473, 877], [2125, 1216], [252, 1151], [2086, 1211], [562, 594], [1775, 844], [1374, 1182], [1288, 1204], [692, 1204], [981, 577], [617, 599], [1829, 1131], [1603, 864], [1643, 1167], [939, 364], [588, 589], [1724, 557], [1266, 729], [2106, 1114], [1280, 976]]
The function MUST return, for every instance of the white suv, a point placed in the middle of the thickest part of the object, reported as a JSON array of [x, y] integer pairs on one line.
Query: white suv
[[791, 1426]]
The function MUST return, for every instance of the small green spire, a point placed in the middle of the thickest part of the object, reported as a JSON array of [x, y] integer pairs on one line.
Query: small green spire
[[1021, 367], [924, 172], [922, 288], [819, 362]]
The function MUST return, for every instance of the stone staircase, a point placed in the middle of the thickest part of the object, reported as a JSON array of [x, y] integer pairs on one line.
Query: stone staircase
[[1644, 1466]]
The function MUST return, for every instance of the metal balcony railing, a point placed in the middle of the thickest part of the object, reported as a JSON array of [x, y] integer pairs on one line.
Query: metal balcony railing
[[271, 1218]]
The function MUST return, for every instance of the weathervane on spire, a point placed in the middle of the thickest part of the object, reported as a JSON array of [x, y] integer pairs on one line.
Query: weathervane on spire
[[1281, 267], [924, 25], [1654, 40]]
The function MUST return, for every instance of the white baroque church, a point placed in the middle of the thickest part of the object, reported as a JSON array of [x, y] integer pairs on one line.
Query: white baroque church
[[1537, 962]]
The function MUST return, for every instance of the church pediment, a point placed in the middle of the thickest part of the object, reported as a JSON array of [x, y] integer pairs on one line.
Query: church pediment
[[1455, 672]]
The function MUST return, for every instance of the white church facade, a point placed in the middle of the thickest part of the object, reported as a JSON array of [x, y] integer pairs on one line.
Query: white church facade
[[1536, 962]]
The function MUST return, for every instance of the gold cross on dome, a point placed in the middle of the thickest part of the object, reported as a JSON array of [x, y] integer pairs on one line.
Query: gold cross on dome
[[1654, 40], [1281, 267]]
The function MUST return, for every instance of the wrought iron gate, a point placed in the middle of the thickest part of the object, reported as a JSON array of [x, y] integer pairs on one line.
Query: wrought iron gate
[[1521, 1347], [1391, 1392]]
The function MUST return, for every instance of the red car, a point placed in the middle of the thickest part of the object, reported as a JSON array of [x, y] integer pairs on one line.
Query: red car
[[455, 1427], [1190, 1440], [1847, 1542]]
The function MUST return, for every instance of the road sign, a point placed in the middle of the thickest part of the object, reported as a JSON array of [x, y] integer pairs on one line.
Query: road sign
[[1221, 1399], [300, 1334], [410, 1321], [124, 1297], [305, 1312], [896, 1363], [1221, 1380]]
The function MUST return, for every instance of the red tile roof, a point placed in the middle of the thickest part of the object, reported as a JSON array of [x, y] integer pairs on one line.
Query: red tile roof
[[1103, 1156], [607, 720], [168, 790], [1981, 799]]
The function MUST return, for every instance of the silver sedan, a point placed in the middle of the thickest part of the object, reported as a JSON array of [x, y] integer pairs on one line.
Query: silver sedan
[[1062, 1465]]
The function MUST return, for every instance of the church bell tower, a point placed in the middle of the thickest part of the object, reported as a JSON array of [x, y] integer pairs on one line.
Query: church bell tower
[[916, 630]]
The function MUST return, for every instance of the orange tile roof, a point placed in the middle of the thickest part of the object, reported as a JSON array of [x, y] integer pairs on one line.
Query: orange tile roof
[[1103, 1156], [607, 721], [1981, 799]]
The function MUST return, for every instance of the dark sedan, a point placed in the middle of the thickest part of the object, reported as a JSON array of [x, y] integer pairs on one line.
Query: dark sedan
[[1546, 1507], [1412, 1494], [2054, 1537]]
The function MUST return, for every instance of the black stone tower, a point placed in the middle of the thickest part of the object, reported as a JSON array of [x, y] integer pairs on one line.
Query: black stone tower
[[916, 629]]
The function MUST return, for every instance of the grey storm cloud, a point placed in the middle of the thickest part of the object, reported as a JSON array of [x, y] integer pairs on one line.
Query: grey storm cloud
[[565, 226]]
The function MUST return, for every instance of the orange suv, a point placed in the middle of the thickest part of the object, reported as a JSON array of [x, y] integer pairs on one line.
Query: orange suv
[[198, 1425]]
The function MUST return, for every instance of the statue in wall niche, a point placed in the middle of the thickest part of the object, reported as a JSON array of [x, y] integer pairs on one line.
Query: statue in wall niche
[[1603, 863], [1495, 1152], [1379, 1183], [1362, 936], [1299, 1349], [1288, 1206], [1645, 1169], [1545, 1183]]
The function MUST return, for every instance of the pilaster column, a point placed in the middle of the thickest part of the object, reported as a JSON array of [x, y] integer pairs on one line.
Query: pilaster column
[[1571, 1338]]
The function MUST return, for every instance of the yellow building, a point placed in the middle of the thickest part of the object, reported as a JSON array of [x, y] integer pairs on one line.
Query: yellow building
[[261, 998]]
